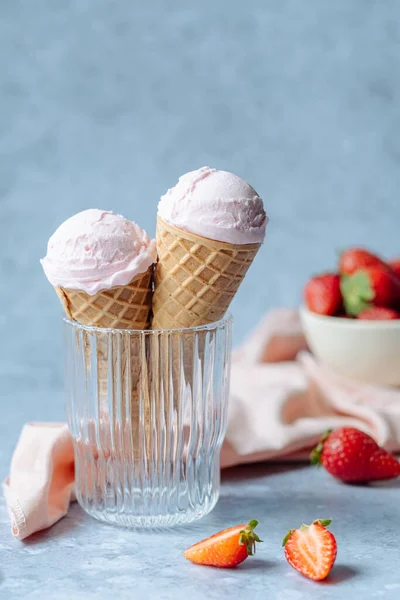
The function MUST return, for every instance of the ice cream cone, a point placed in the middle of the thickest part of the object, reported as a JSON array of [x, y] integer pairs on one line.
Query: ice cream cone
[[120, 307], [196, 278], [101, 267], [210, 227]]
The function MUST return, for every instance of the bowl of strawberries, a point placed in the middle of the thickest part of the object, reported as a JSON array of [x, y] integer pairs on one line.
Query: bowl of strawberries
[[351, 317]]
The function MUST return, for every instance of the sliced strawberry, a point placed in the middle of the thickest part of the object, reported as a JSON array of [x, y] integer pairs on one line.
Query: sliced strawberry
[[227, 548], [378, 313], [311, 549], [367, 287], [354, 259], [354, 457], [322, 294]]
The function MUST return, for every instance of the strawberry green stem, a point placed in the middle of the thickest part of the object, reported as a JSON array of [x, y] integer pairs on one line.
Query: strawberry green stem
[[248, 537], [357, 292], [323, 522], [316, 454]]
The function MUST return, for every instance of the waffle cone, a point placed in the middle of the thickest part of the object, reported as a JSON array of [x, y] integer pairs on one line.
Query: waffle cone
[[120, 307], [117, 358], [195, 281], [196, 278]]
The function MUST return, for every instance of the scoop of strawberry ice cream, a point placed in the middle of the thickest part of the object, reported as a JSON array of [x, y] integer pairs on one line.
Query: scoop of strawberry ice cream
[[96, 250], [216, 205]]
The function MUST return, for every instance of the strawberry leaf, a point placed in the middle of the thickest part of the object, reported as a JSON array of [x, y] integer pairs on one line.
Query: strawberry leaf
[[357, 292], [323, 522], [287, 536], [316, 454], [252, 524], [249, 538]]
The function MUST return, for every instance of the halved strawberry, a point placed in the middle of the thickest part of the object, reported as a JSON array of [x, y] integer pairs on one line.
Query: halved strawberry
[[311, 549], [227, 548]]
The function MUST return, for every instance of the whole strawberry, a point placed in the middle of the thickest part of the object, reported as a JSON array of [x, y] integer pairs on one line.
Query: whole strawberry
[[354, 457], [322, 294], [311, 549], [370, 286], [227, 548], [395, 266], [354, 259], [378, 313]]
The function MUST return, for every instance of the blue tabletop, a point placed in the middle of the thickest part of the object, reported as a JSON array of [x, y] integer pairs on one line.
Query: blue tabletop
[[104, 104], [81, 558]]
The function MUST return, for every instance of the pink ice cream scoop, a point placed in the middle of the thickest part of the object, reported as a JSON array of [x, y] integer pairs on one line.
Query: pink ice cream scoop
[[216, 205], [96, 250]]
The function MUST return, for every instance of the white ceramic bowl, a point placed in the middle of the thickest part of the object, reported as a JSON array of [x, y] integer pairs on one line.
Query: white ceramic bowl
[[364, 350]]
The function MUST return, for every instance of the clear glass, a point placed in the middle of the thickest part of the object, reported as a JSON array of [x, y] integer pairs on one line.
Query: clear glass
[[147, 411]]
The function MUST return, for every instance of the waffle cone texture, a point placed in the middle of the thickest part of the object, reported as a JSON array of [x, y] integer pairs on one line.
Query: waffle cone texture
[[196, 278], [120, 307], [118, 358]]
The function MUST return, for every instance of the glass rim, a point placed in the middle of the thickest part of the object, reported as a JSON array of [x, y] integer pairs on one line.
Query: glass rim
[[227, 319]]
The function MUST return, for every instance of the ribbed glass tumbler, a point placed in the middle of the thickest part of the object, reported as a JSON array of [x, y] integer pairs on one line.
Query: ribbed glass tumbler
[[147, 412]]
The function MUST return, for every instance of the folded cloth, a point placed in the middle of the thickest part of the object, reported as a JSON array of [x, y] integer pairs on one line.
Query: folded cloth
[[281, 402], [40, 486]]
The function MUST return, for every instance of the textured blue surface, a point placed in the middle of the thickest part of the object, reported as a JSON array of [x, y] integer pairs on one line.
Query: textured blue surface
[[105, 104]]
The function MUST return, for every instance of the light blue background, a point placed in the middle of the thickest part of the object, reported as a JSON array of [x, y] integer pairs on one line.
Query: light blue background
[[105, 103]]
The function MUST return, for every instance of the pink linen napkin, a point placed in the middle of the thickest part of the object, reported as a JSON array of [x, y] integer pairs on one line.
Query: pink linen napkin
[[281, 402], [40, 486]]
